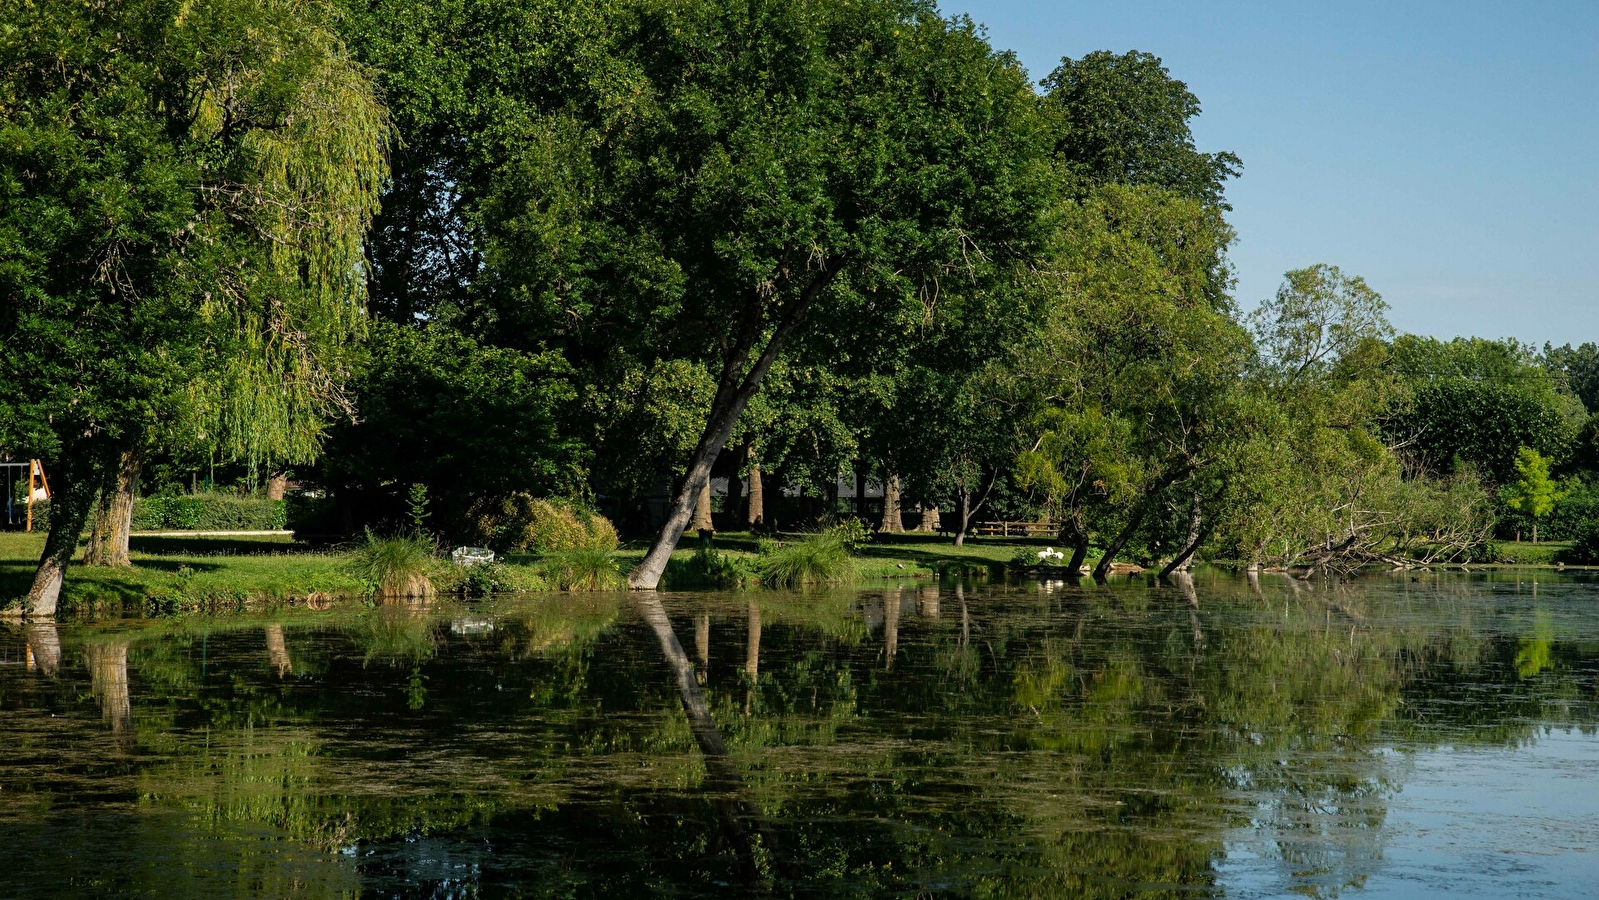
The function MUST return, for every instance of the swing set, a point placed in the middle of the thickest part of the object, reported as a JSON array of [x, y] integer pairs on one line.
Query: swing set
[[38, 489]]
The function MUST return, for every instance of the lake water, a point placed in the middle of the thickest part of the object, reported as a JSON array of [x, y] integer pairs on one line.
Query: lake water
[[1404, 736]]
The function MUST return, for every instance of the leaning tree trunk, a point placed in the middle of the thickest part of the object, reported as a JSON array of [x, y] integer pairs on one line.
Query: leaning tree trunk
[[80, 472], [733, 392], [963, 513], [892, 523], [113, 517], [1103, 567], [1185, 556], [755, 512], [1079, 545]]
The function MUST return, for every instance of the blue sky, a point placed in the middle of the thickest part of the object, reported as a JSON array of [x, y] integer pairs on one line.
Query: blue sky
[[1446, 151]]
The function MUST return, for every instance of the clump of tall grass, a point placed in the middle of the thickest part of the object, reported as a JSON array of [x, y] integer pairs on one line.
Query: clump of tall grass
[[713, 570], [582, 570], [820, 558], [393, 567]]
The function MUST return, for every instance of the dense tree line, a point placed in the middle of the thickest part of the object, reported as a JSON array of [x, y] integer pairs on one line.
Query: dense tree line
[[519, 246]]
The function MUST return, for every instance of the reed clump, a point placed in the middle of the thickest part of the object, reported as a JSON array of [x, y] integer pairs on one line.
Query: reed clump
[[820, 558], [582, 570], [392, 568]]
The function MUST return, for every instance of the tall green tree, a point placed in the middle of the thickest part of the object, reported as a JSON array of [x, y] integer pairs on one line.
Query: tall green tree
[[1134, 374], [1122, 119], [186, 187], [1580, 367], [1533, 492], [1476, 402]]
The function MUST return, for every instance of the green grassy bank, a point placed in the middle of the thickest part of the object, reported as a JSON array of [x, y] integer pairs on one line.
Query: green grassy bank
[[227, 574], [221, 574]]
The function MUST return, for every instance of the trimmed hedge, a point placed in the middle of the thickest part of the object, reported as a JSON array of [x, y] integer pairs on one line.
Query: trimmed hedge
[[208, 512]]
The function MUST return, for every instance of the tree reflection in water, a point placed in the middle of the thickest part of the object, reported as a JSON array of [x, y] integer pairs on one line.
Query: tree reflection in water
[[1084, 740], [745, 826], [108, 673]]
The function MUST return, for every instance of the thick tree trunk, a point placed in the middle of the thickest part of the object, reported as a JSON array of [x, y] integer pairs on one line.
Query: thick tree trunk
[[702, 513], [79, 475], [755, 513], [113, 517], [892, 523], [277, 484], [929, 601], [1079, 547], [1185, 554], [734, 390], [930, 520]]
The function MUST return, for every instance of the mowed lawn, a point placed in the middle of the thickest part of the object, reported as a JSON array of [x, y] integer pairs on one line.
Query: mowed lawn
[[167, 569]]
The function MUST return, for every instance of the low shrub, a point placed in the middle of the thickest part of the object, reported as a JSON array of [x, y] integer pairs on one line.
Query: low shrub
[[852, 532], [1543, 554], [480, 580], [1585, 544], [1485, 552], [393, 567], [41, 514], [526, 523], [970, 568], [821, 558], [582, 570]]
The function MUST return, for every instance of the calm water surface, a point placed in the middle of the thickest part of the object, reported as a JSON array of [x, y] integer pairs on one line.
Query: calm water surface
[[1393, 737]]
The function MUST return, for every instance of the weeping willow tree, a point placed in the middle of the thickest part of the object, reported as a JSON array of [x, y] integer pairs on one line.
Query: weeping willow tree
[[187, 184]]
